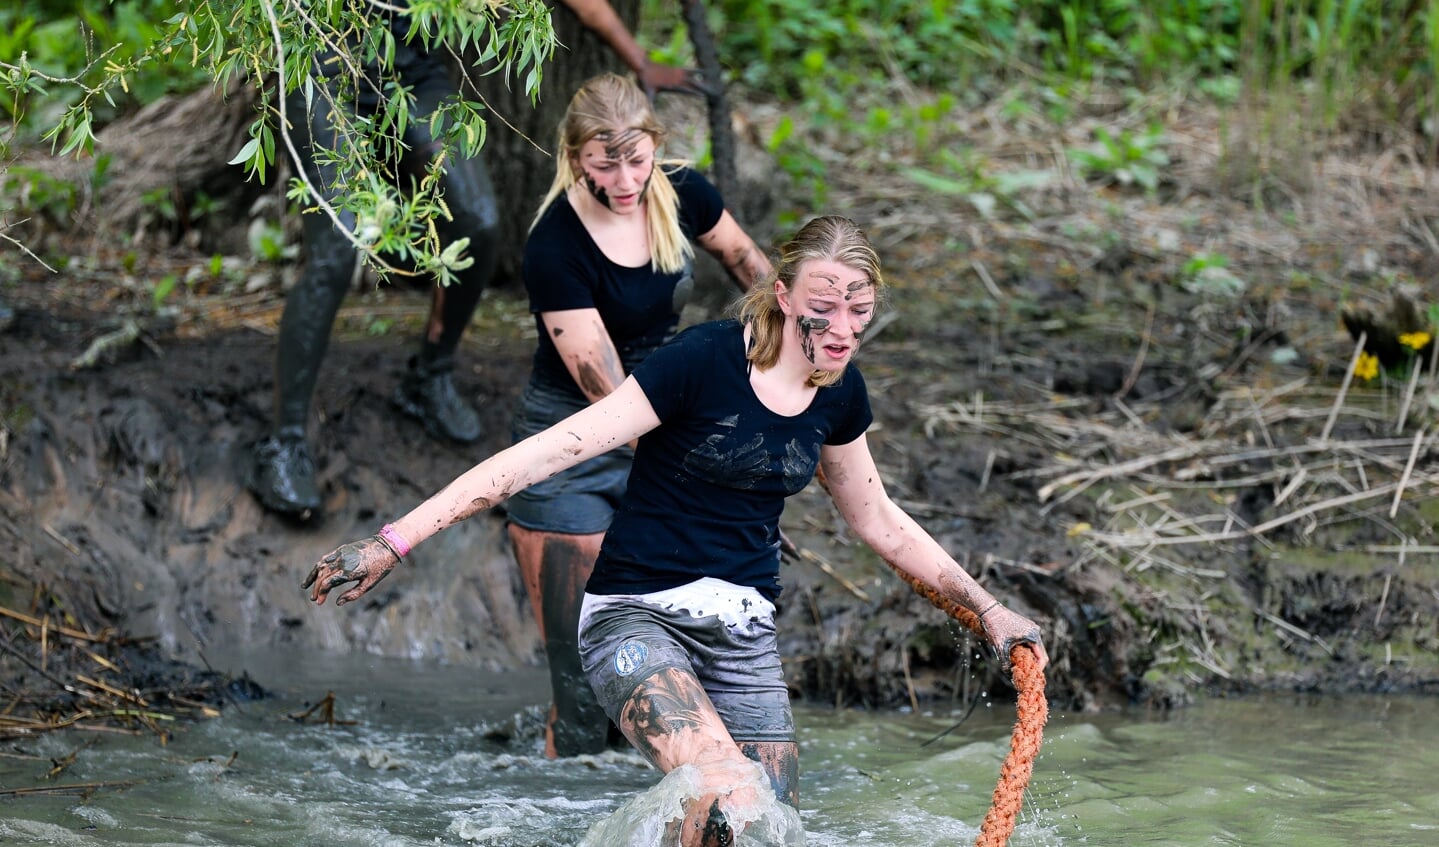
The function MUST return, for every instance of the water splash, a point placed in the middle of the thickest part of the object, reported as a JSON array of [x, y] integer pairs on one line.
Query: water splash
[[644, 820]]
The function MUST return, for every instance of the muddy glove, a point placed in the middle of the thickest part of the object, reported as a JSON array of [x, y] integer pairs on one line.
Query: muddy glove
[[657, 77], [366, 562], [1006, 630]]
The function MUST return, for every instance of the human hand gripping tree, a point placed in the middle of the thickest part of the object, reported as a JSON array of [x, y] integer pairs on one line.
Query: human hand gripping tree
[[283, 46]]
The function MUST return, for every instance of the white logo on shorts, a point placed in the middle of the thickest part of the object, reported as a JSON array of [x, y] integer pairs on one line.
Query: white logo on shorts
[[630, 656]]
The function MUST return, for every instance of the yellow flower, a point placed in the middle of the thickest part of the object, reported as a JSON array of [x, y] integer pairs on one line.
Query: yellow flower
[[1367, 367], [1414, 340]]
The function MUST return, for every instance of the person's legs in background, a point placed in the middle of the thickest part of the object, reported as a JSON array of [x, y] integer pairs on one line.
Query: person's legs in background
[[555, 567], [556, 528], [428, 392], [282, 472]]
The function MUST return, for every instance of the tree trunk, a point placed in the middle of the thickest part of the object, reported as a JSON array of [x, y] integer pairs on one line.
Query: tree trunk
[[521, 139], [157, 163], [186, 144]]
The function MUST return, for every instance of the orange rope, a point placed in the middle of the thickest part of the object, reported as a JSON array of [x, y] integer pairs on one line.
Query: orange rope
[[1033, 711]]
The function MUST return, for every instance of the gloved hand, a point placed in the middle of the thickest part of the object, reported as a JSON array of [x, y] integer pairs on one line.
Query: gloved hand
[[657, 77]]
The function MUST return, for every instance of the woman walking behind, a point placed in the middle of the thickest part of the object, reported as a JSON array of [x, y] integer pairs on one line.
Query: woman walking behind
[[677, 629], [608, 267]]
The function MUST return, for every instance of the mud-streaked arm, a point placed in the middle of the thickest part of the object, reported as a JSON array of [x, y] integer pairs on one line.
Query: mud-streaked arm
[[858, 492], [621, 417], [586, 349], [731, 245]]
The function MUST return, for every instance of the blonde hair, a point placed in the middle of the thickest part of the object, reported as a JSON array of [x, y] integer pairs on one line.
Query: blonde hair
[[830, 238], [612, 104]]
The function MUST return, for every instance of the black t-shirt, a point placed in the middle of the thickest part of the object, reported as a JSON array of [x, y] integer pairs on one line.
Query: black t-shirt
[[564, 269], [708, 485]]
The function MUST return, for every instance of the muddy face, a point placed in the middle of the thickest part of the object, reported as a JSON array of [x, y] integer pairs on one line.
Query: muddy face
[[616, 168], [832, 306], [809, 327], [597, 191]]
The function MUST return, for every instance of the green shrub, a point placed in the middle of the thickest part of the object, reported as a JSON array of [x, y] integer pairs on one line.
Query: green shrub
[[1126, 159], [78, 39]]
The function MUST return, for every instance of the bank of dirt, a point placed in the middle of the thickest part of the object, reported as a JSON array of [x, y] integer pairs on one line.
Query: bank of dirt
[[1178, 483]]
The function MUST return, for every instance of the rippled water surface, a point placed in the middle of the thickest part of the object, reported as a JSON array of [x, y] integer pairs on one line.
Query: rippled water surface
[[426, 761]]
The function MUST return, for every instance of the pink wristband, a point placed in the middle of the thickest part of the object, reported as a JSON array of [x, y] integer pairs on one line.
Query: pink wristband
[[395, 539]]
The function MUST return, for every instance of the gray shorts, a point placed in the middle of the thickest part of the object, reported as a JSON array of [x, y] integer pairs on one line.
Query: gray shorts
[[577, 501], [732, 651]]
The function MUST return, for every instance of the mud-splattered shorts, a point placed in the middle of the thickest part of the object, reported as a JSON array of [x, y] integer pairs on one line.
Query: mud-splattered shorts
[[724, 634]]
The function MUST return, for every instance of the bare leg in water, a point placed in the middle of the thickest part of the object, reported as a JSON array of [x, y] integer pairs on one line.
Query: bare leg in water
[[672, 722]]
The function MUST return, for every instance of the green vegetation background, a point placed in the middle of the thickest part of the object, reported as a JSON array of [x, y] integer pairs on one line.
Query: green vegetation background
[[860, 74]]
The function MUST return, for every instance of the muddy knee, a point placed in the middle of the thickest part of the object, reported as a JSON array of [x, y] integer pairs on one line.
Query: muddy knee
[[704, 825]]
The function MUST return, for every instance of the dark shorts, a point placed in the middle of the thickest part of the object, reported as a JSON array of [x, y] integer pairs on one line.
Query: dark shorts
[[735, 657], [578, 501]]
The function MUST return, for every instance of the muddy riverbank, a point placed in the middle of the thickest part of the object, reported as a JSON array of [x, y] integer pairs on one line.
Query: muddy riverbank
[[1130, 414], [120, 485]]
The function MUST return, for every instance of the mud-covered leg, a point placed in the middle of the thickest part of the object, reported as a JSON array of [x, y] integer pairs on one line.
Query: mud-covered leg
[[309, 315], [670, 720], [428, 392], [282, 474], [556, 567], [780, 760], [705, 825]]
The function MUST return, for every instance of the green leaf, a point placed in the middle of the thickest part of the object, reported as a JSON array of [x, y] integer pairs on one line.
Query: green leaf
[[782, 132], [937, 182], [1007, 184], [247, 152], [163, 288]]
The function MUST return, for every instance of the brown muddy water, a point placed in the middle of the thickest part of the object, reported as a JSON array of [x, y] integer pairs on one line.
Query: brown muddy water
[[450, 756]]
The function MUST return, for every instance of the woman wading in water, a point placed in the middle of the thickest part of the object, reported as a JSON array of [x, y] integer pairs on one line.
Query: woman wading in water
[[676, 630], [608, 267]]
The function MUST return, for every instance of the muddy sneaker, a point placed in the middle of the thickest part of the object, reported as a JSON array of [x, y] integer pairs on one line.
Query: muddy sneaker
[[282, 477], [428, 394]]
